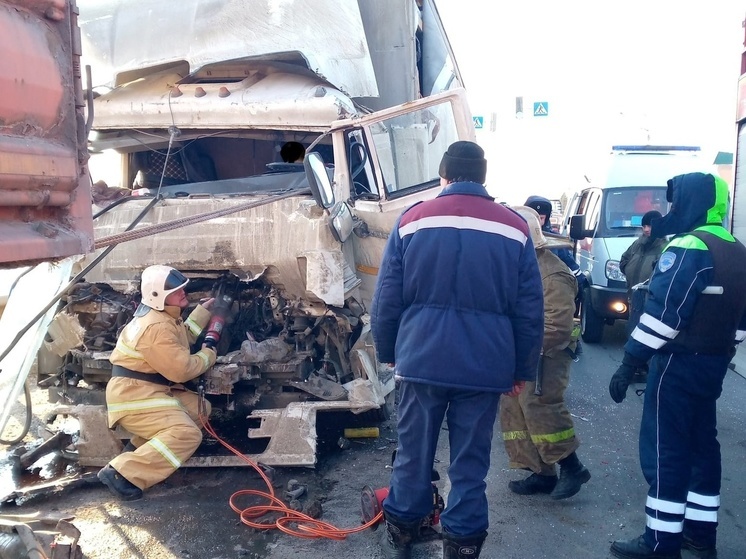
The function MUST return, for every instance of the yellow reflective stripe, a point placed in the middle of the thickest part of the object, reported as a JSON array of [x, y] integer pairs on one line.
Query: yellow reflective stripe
[[129, 351], [554, 437], [205, 359], [140, 405], [194, 328], [515, 435], [165, 452]]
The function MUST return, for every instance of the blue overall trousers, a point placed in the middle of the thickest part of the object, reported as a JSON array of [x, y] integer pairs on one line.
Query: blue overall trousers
[[679, 450]]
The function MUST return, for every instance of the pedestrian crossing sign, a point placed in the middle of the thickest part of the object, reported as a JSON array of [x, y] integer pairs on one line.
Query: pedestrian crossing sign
[[541, 108], [478, 121]]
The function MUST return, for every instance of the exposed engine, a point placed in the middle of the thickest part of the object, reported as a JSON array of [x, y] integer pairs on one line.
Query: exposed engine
[[271, 351]]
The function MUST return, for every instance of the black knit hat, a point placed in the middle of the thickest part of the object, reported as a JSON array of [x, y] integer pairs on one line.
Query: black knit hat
[[648, 218], [464, 161]]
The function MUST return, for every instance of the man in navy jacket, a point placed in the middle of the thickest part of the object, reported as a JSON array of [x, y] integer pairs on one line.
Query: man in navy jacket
[[458, 308]]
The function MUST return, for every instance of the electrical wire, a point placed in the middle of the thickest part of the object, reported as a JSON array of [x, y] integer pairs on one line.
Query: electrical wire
[[291, 522]]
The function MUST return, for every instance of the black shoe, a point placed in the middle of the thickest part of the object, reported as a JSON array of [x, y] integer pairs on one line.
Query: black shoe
[[570, 482], [533, 484], [119, 485], [129, 447], [638, 549], [700, 551], [397, 538], [462, 547]]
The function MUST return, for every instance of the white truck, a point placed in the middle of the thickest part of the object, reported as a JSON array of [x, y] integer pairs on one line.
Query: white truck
[[194, 100]]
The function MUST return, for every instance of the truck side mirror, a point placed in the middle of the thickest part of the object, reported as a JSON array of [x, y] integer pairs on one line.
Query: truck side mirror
[[577, 228], [341, 221], [318, 180]]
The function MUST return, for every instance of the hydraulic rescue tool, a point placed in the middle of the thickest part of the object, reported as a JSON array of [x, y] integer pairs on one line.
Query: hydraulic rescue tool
[[220, 311], [371, 502]]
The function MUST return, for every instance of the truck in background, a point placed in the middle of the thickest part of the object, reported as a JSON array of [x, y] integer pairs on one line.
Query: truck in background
[[193, 114], [604, 219], [45, 204]]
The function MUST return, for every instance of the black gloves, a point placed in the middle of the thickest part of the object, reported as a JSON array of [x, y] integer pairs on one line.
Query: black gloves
[[622, 378]]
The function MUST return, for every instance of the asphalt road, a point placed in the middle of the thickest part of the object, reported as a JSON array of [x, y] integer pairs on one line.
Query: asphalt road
[[188, 516]]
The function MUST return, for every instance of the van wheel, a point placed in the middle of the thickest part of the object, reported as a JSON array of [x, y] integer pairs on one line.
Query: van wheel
[[591, 325]]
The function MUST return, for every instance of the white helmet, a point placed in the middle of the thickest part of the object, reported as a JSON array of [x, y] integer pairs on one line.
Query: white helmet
[[158, 282], [534, 224], [537, 234]]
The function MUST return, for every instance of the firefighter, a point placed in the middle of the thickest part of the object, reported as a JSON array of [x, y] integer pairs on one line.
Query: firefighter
[[543, 207], [693, 317], [537, 427], [146, 395]]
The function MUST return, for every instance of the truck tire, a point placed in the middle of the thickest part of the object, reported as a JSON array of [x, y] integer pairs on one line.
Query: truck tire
[[591, 325]]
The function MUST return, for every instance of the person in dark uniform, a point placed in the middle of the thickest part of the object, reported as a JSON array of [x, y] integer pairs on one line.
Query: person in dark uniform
[[458, 308], [694, 316]]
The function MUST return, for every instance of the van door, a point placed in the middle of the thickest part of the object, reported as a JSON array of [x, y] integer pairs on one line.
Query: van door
[[391, 162]]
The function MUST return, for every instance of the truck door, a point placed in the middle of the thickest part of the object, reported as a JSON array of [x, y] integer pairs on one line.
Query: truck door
[[45, 203], [391, 162]]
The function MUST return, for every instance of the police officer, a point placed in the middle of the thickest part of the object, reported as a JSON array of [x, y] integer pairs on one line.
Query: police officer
[[145, 394], [694, 316]]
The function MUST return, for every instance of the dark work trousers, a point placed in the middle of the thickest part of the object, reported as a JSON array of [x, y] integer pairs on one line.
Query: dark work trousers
[[470, 417], [679, 450]]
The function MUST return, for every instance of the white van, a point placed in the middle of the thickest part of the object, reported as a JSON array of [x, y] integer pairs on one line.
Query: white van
[[604, 219]]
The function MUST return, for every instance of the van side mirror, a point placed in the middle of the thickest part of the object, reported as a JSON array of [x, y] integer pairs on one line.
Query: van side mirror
[[577, 228], [318, 180]]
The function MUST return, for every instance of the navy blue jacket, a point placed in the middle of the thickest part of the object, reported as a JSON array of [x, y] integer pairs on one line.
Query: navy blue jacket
[[459, 301], [686, 268]]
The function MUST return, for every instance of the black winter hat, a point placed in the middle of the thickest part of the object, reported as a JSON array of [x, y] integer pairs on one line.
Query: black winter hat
[[648, 218], [543, 206], [464, 161]]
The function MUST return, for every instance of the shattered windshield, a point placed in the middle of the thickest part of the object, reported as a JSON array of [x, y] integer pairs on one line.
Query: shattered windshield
[[410, 147]]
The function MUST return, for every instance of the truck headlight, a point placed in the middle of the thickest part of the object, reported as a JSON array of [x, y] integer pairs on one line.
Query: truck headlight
[[613, 272]]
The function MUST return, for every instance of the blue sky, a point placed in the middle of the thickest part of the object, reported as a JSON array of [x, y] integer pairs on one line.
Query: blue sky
[[610, 72]]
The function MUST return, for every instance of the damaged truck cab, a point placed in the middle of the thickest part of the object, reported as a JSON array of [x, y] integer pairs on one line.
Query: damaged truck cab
[[191, 123]]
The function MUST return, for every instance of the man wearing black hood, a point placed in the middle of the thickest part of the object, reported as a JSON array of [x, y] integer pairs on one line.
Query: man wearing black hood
[[694, 316]]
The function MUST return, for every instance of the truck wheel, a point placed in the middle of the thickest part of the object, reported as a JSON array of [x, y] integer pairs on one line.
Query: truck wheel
[[591, 325]]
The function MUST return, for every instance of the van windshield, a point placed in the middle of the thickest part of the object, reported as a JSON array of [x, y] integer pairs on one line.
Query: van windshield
[[623, 209]]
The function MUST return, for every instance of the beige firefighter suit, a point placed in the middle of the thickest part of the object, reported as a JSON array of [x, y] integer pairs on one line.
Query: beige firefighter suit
[[538, 430], [162, 418]]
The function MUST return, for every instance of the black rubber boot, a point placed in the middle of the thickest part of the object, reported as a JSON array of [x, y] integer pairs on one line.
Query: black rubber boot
[[119, 485], [533, 484], [462, 547], [700, 551], [572, 477], [397, 538], [638, 549]]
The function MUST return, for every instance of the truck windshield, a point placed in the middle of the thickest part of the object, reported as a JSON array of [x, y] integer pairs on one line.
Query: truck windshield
[[623, 209], [410, 147]]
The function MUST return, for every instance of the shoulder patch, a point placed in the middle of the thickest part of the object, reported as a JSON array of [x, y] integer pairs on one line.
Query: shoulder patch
[[666, 260]]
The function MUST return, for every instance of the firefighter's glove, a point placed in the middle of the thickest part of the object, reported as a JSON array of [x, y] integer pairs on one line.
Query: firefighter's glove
[[211, 355], [622, 378]]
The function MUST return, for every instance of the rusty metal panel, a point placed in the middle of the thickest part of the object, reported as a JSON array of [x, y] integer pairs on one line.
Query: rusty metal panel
[[45, 206]]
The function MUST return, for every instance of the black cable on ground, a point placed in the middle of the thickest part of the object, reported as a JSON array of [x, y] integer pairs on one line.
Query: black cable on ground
[[27, 422]]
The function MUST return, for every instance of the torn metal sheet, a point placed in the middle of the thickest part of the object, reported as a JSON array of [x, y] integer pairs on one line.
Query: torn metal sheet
[[29, 297]]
